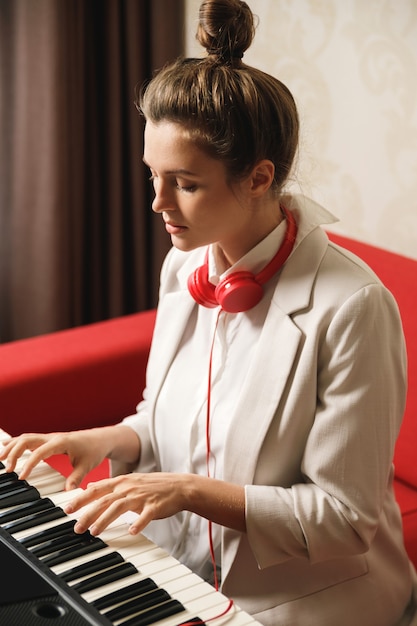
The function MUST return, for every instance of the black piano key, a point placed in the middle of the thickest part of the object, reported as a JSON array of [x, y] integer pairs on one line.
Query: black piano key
[[172, 607], [118, 572], [19, 495], [71, 553], [1, 465], [149, 600], [125, 593], [8, 476], [194, 620], [55, 545], [47, 534], [11, 483], [27, 508], [96, 565], [31, 521]]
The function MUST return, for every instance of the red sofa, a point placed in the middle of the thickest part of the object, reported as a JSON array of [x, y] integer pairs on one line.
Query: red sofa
[[93, 375]]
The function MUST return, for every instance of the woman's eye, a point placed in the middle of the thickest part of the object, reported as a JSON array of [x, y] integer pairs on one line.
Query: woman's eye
[[182, 186], [186, 188], [153, 178]]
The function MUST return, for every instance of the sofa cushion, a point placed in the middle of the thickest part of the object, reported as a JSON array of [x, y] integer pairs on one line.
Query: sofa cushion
[[87, 376], [406, 496], [407, 499]]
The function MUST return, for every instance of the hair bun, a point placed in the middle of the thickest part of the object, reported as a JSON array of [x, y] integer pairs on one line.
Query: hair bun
[[226, 28]]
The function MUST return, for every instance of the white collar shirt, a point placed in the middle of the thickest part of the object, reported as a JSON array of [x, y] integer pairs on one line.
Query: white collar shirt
[[181, 409]]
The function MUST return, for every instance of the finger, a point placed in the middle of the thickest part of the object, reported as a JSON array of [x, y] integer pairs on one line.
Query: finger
[[9, 461], [42, 452], [4, 447], [100, 514], [108, 516], [15, 452], [17, 446], [89, 495], [80, 470], [102, 494], [86, 513], [106, 485], [12, 451], [74, 479], [141, 522], [77, 503]]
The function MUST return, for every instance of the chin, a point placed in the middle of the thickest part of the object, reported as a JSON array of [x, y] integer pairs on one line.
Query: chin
[[184, 246]]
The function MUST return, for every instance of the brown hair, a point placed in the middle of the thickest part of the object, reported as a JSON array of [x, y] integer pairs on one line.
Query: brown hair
[[235, 112]]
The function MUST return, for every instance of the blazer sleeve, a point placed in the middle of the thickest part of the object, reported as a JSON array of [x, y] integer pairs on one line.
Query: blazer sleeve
[[140, 421], [346, 468]]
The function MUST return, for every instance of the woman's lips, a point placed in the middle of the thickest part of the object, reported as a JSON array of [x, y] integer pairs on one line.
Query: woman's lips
[[174, 229]]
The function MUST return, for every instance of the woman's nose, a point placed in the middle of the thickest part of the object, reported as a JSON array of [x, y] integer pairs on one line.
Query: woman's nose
[[163, 200]]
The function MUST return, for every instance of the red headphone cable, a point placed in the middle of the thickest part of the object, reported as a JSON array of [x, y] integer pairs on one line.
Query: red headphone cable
[[208, 446], [208, 455]]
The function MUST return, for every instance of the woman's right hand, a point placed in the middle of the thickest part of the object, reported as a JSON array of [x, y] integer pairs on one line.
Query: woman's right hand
[[85, 449]]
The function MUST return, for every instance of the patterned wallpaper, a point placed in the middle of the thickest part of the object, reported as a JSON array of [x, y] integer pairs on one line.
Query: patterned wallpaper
[[352, 67]]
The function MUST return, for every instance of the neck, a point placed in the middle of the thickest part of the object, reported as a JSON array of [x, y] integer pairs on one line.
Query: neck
[[255, 230]]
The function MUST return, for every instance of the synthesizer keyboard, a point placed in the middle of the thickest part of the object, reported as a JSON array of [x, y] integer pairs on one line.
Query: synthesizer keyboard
[[54, 577]]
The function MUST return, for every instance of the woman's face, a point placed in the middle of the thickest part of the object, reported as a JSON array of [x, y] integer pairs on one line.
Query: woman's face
[[198, 205]]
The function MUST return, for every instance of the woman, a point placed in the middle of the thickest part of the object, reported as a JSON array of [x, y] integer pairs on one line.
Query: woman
[[261, 454]]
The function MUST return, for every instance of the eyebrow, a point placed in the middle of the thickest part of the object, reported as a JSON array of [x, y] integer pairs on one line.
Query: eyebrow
[[179, 171]]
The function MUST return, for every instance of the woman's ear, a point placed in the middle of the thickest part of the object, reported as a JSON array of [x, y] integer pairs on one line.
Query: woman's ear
[[261, 177]]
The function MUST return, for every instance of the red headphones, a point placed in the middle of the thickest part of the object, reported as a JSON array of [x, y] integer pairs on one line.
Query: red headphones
[[242, 290]]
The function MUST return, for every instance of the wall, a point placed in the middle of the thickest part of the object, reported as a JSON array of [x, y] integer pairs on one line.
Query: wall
[[352, 67]]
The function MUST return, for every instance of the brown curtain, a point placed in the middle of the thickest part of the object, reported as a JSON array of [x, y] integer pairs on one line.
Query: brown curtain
[[78, 240]]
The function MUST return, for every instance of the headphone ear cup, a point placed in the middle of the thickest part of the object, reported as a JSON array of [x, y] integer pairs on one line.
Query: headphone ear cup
[[201, 289], [238, 292]]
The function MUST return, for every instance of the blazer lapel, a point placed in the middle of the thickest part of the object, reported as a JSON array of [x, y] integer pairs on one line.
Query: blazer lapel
[[170, 329], [174, 310], [258, 403], [272, 362]]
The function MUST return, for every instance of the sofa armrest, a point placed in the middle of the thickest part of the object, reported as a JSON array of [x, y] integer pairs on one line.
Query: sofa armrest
[[87, 376]]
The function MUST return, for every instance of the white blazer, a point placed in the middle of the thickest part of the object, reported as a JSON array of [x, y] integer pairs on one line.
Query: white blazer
[[312, 438]]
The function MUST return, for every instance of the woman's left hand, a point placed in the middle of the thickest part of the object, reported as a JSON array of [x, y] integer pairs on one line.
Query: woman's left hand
[[151, 496]]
